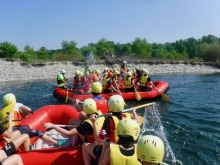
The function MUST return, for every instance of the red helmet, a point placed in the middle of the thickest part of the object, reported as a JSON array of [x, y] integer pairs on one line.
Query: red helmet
[[110, 74]]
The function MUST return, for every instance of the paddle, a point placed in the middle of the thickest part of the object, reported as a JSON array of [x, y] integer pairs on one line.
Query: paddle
[[165, 97], [138, 96], [72, 126], [119, 89], [66, 99], [129, 109]]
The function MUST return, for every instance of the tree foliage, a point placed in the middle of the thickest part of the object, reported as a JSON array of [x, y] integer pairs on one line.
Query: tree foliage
[[206, 48], [8, 50]]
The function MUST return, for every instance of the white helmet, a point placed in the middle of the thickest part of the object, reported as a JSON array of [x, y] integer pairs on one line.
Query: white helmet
[[62, 71]]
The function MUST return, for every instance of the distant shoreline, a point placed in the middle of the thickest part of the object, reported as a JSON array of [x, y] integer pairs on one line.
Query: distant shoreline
[[15, 70]]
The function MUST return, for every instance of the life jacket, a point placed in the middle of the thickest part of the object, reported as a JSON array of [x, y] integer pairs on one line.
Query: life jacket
[[144, 81], [128, 83], [100, 121], [76, 80], [116, 156], [105, 84], [113, 133], [94, 77], [101, 103], [16, 119], [60, 82]]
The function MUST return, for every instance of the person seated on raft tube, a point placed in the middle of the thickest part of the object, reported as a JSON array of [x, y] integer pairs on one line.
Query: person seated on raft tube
[[85, 129], [107, 84], [20, 111], [77, 81], [61, 80], [10, 141], [145, 82], [116, 105], [123, 152], [96, 89], [129, 82], [150, 150]]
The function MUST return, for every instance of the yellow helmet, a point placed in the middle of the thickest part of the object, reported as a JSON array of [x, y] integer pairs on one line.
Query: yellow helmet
[[128, 127], [137, 68], [145, 71], [87, 74], [114, 69], [129, 74], [116, 103], [106, 69], [77, 72], [98, 72], [150, 149], [89, 106], [116, 73], [9, 99], [96, 87], [124, 62]]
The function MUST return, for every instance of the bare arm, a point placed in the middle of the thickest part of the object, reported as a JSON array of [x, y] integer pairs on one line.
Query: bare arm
[[94, 118], [105, 155], [135, 116], [61, 130], [27, 110], [8, 132]]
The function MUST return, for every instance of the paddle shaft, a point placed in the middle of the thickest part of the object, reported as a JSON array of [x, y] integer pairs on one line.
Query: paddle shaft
[[138, 96], [72, 126], [165, 97], [129, 109]]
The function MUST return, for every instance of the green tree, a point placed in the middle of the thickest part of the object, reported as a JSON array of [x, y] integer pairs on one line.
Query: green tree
[[140, 47], [8, 50], [103, 45], [69, 52], [122, 49], [86, 49], [43, 54], [210, 39], [212, 53], [192, 47]]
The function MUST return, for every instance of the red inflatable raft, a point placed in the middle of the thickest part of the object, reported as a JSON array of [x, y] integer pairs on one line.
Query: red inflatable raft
[[161, 87]]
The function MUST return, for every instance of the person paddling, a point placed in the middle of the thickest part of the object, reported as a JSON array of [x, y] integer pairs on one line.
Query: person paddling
[[61, 80], [20, 111]]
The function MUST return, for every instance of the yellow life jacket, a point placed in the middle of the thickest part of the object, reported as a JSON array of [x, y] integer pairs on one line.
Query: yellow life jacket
[[116, 157], [144, 80], [104, 83], [99, 121], [3, 115], [114, 135], [128, 82]]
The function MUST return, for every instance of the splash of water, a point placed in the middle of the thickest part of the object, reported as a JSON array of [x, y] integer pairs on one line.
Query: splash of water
[[90, 58], [153, 126]]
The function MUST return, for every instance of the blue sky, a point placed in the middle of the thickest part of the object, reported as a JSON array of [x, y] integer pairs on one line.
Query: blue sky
[[48, 22]]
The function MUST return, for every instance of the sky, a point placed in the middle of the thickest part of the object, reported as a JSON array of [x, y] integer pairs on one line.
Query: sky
[[47, 23]]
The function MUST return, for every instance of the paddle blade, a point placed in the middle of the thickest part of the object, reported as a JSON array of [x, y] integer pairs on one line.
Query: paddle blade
[[138, 96], [165, 97], [67, 96]]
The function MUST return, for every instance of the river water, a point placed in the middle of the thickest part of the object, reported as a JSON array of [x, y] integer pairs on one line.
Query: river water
[[189, 124]]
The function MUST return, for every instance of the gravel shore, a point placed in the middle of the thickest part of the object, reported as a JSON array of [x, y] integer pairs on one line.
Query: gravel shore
[[18, 71]]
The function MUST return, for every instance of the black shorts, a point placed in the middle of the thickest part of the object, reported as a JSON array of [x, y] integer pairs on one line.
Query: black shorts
[[9, 149], [97, 151], [25, 129]]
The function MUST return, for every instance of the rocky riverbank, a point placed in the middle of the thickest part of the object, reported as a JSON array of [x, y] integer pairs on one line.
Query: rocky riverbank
[[14, 70]]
